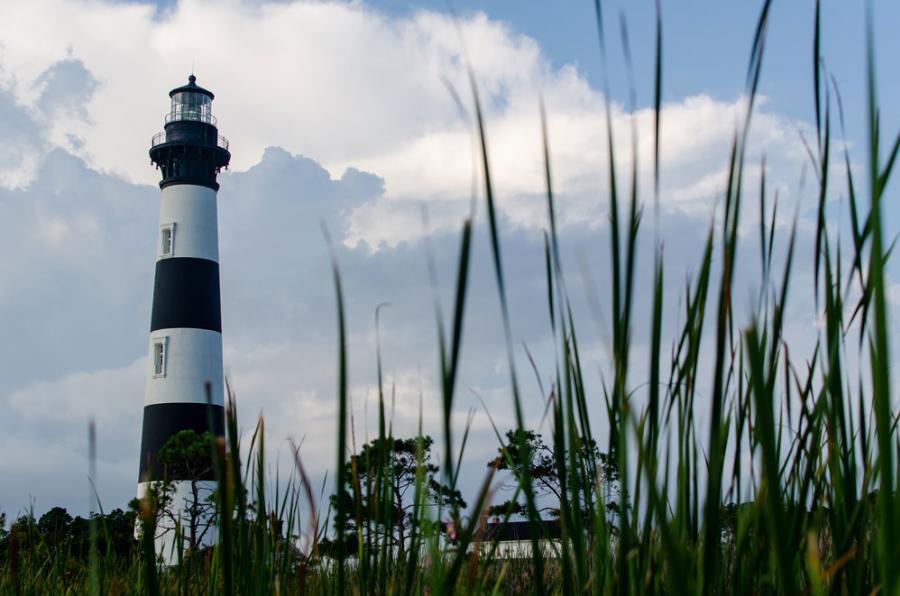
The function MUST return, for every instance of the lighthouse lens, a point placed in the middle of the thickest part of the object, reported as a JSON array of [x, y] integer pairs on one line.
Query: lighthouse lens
[[191, 106]]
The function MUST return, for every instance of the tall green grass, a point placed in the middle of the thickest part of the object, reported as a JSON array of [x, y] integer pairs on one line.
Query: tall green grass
[[820, 428]]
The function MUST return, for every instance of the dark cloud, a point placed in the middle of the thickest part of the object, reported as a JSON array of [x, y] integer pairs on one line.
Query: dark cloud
[[75, 276], [22, 135], [67, 86]]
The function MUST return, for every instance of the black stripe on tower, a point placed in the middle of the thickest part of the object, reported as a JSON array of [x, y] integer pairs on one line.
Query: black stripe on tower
[[162, 421], [186, 294]]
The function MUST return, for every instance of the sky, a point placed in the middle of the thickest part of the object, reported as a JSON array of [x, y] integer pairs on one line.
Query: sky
[[343, 114]]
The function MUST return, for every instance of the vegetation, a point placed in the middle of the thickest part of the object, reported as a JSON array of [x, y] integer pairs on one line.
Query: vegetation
[[823, 514], [56, 549], [527, 448], [386, 473]]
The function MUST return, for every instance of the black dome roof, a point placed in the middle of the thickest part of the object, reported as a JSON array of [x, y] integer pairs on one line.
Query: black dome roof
[[192, 86]]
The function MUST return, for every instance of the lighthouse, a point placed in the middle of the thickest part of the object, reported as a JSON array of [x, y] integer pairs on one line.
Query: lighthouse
[[184, 389]]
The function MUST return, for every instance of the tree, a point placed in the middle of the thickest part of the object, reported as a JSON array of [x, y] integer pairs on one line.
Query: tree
[[56, 527], [57, 531], [185, 457], [397, 463], [116, 531], [525, 449]]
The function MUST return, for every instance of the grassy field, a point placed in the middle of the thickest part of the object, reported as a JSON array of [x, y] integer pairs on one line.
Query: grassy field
[[634, 516]]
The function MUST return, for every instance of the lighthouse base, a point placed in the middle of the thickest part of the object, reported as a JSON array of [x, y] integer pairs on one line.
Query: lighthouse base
[[185, 515]]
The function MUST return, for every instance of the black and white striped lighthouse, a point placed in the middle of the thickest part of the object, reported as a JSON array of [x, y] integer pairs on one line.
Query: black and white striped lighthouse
[[186, 323]]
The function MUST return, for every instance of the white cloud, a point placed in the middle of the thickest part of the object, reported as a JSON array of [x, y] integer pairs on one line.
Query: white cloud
[[353, 87]]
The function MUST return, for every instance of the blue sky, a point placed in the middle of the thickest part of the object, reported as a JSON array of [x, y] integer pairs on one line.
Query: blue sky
[[338, 112]]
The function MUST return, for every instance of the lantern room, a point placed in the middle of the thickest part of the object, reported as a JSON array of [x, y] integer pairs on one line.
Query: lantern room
[[191, 102]]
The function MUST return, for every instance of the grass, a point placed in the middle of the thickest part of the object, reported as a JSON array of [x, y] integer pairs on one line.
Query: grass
[[823, 512]]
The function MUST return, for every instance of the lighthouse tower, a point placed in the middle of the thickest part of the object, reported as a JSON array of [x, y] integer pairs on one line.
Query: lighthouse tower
[[186, 323]]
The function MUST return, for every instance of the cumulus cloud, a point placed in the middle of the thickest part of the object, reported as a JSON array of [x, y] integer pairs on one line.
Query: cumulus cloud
[[356, 88], [22, 138]]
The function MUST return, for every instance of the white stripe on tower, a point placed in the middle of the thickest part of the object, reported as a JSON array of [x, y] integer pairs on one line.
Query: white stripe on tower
[[193, 337], [184, 388]]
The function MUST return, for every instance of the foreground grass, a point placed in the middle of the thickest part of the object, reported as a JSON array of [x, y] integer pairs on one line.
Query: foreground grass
[[823, 517]]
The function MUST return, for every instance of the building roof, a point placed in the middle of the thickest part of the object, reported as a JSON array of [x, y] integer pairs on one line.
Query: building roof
[[522, 530]]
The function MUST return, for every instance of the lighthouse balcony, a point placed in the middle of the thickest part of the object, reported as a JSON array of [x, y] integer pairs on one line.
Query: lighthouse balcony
[[163, 137]]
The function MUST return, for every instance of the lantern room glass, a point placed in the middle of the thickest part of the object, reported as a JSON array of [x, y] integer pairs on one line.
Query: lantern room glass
[[188, 105]]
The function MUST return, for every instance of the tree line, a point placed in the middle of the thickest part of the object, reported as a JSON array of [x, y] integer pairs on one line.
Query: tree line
[[384, 516]]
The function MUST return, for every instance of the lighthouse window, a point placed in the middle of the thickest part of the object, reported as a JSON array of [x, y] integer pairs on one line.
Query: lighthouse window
[[167, 240], [159, 357]]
